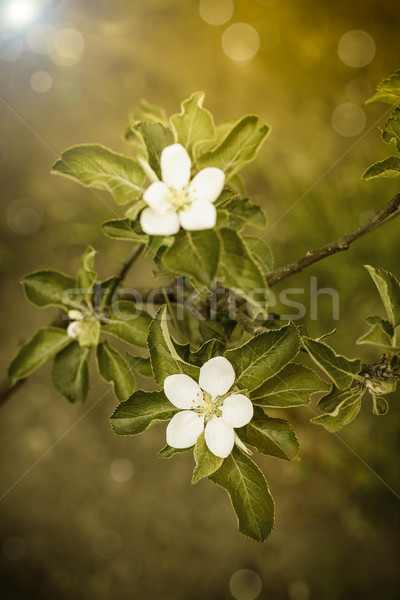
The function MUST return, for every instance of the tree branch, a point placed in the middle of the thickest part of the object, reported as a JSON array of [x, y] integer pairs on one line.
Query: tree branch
[[385, 214], [5, 390]]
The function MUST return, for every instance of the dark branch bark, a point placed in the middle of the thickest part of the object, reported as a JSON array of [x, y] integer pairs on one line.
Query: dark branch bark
[[388, 212]]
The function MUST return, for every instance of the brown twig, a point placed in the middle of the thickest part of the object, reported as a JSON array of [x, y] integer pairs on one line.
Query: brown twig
[[5, 390], [388, 212]]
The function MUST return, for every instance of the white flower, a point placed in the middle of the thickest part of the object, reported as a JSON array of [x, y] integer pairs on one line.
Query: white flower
[[176, 201], [207, 407], [74, 328]]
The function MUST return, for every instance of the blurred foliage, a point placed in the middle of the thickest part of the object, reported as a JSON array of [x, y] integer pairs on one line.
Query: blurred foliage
[[85, 532]]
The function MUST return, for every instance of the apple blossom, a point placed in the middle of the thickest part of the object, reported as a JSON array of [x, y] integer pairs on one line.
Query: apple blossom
[[177, 201], [207, 406]]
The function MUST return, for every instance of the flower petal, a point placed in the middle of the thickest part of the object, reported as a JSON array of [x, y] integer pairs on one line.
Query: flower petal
[[217, 376], [154, 223], [219, 437], [73, 329], [237, 410], [75, 315], [184, 429], [157, 197], [207, 184], [199, 215], [182, 391], [175, 166]]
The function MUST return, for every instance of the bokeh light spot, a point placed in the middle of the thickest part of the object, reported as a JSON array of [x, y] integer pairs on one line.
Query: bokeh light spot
[[245, 585], [348, 119], [40, 37], [121, 470], [41, 82], [216, 12], [13, 548], [24, 216], [10, 47], [107, 543], [66, 48], [240, 42], [71, 91], [299, 590], [356, 49]]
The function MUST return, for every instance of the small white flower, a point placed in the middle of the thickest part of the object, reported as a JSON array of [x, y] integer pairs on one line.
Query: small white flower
[[207, 407], [74, 328], [176, 201]]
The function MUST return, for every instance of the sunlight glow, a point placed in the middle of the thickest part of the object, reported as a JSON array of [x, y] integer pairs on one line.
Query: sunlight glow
[[20, 12]]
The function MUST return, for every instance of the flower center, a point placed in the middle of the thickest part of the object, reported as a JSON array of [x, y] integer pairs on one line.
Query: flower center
[[179, 199], [211, 407]]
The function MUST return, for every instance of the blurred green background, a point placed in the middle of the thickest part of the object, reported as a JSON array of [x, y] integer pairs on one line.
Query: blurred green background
[[86, 514]]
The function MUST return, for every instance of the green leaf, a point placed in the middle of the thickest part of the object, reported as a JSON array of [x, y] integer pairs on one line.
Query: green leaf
[[48, 288], [221, 328], [291, 387], [239, 213], [274, 437], [89, 333], [389, 290], [264, 356], [194, 125], [380, 406], [206, 462], [388, 167], [208, 350], [240, 273], [98, 167], [249, 494], [391, 130], [194, 254], [260, 250], [156, 136], [380, 334], [340, 369], [128, 322], [388, 90], [43, 345], [163, 355], [70, 372], [239, 147], [148, 112], [141, 411], [86, 276], [114, 369], [342, 407], [169, 451], [123, 229], [133, 211], [140, 364]]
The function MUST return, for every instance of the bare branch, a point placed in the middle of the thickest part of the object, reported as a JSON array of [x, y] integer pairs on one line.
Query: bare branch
[[388, 212]]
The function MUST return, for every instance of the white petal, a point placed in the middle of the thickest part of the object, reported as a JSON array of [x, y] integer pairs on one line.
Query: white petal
[[184, 429], [217, 376], [75, 315], [73, 329], [219, 437], [154, 223], [237, 410], [175, 166], [182, 391], [207, 184], [157, 197], [199, 215]]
